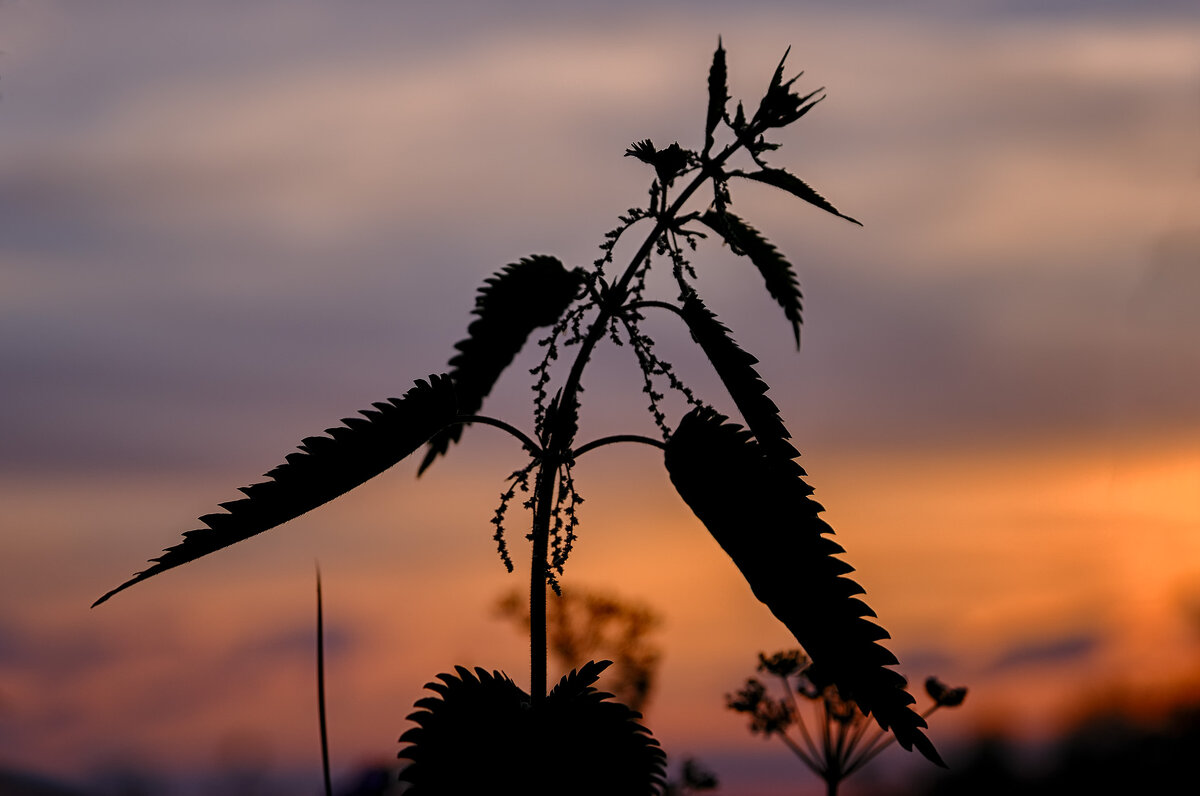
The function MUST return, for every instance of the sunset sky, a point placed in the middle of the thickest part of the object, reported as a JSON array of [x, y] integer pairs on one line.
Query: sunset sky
[[226, 225]]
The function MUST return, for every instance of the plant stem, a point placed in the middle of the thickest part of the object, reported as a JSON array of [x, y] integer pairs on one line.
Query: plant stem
[[523, 438], [557, 449], [543, 499]]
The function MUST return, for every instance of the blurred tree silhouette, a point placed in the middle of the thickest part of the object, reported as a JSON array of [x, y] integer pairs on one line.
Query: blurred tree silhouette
[[585, 625]]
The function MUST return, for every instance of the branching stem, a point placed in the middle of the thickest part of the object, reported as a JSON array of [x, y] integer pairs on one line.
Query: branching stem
[[637, 305], [596, 443], [612, 304], [526, 441]]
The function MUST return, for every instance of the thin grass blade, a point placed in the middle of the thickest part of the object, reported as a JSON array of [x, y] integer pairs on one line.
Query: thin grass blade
[[321, 691]]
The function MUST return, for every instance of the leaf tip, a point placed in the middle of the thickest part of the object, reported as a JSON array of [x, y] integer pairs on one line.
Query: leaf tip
[[120, 588]]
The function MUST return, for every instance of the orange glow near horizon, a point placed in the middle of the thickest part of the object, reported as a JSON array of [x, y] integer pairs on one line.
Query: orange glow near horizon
[[222, 226], [969, 557]]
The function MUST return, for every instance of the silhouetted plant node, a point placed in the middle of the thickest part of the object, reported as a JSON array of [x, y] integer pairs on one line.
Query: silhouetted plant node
[[483, 734]]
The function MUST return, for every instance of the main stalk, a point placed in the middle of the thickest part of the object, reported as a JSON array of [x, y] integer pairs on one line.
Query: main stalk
[[558, 449]]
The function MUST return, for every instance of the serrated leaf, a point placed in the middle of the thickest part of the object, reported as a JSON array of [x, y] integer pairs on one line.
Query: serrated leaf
[[795, 186], [777, 85], [736, 369], [519, 298], [325, 468], [777, 91], [760, 511], [483, 734], [777, 272], [718, 95], [780, 106]]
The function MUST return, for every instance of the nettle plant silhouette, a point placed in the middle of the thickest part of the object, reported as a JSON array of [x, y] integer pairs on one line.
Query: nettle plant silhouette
[[481, 731]]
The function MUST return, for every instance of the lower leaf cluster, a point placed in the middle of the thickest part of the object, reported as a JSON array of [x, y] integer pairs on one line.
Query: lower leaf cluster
[[483, 734]]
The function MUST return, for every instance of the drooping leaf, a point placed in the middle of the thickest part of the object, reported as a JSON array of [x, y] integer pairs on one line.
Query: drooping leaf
[[718, 95], [324, 468], [512, 303], [777, 272], [736, 369], [761, 512], [482, 734], [795, 186]]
